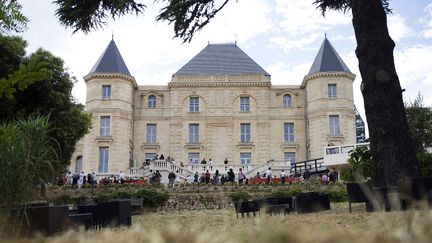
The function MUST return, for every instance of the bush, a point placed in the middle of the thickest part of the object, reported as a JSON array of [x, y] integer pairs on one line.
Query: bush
[[337, 194], [239, 196], [279, 193], [151, 197], [62, 199]]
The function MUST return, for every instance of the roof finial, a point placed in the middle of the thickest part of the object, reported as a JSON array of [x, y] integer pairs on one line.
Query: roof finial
[[112, 35], [325, 35]]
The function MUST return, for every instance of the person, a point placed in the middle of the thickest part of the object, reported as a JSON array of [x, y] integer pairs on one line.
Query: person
[[269, 175], [89, 179], [333, 175], [196, 177], [81, 179], [223, 179], [75, 177], [283, 176], [156, 157], [122, 177], [324, 179], [211, 164], [216, 178], [171, 179], [241, 176], [306, 175], [181, 164], [94, 179], [231, 176], [257, 176], [207, 177], [69, 178], [161, 157], [203, 161]]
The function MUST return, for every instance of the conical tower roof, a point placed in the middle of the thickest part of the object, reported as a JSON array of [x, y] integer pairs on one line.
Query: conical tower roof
[[328, 60], [221, 59], [111, 61]]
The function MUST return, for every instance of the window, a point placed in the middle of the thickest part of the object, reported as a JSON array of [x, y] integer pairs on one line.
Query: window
[[149, 156], [152, 101], [193, 133], [334, 125], [332, 91], [289, 132], [290, 157], [194, 104], [106, 91], [245, 135], [151, 133], [287, 101], [103, 159], [105, 126], [245, 158], [244, 104], [194, 158], [78, 164]]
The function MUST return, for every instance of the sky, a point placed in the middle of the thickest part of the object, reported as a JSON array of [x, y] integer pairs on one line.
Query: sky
[[283, 36]]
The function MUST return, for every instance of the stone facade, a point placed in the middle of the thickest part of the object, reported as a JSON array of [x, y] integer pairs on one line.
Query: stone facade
[[233, 116]]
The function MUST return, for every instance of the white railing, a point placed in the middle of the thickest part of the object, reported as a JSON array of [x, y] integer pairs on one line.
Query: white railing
[[337, 156]]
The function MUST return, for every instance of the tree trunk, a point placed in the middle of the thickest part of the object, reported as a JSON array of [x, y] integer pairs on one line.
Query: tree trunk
[[391, 144]]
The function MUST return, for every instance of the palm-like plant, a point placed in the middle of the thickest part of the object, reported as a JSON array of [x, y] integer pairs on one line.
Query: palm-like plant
[[26, 157]]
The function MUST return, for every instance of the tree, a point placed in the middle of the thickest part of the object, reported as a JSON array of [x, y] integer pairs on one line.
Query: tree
[[47, 91], [361, 167], [420, 122], [11, 17]]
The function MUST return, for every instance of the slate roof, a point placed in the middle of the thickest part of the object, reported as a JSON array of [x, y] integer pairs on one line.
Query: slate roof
[[328, 60], [221, 59], [110, 61]]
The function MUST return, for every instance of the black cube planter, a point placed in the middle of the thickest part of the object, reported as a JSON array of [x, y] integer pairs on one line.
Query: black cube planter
[[311, 202], [415, 189], [47, 220], [358, 193], [114, 213], [246, 207]]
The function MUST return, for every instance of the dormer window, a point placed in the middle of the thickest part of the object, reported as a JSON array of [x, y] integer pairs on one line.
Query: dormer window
[[152, 101], [287, 101], [244, 104], [106, 91], [332, 90]]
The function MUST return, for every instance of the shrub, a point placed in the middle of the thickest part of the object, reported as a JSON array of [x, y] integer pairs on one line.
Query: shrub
[[151, 197], [239, 196], [279, 193], [337, 194], [62, 199]]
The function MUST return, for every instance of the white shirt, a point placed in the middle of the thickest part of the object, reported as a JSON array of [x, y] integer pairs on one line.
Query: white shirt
[[269, 173], [121, 176], [283, 174]]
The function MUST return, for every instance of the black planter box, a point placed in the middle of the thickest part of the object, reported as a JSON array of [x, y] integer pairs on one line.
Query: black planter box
[[47, 220], [311, 202], [359, 193], [246, 207]]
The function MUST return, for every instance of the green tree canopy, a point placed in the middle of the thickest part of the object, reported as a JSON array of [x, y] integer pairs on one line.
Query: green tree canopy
[[11, 17], [42, 86], [420, 123]]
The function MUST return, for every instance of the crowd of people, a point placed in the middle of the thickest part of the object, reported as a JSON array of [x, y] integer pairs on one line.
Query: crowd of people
[[78, 179]]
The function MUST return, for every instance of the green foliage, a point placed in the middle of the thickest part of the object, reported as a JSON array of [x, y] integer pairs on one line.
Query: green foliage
[[342, 5], [279, 193], [420, 123], [425, 160], [42, 86], [361, 166], [152, 197], [12, 49], [11, 17], [27, 153], [89, 15], [337, 194], [239, 196]]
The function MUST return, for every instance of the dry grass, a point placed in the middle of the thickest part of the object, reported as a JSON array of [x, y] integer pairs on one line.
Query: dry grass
[[336, 225]]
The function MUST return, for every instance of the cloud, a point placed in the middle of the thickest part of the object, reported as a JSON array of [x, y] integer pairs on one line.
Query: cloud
[[287, 74], [398, 28], [288, 43], [300, 17], [427, 22]]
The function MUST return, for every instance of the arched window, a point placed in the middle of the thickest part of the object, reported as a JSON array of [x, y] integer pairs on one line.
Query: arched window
[[152, 101], [287, 101]]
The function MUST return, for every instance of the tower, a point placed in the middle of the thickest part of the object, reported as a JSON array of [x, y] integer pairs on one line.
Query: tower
[[108, 145], [330, 116]]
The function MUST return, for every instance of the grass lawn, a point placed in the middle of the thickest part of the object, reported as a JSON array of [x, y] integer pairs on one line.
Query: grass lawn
[[336, 225]]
